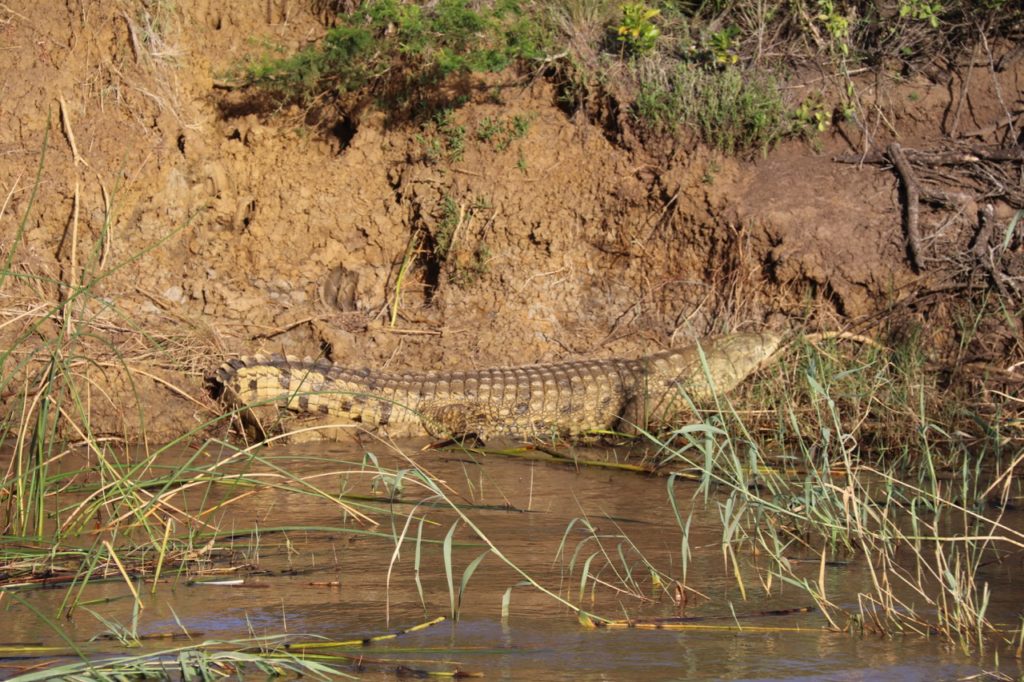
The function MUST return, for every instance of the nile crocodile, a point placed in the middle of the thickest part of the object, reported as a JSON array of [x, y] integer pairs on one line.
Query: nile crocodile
[[539, 402]]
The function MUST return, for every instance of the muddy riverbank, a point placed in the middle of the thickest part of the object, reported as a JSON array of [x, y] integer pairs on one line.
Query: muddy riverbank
[[198, 223]]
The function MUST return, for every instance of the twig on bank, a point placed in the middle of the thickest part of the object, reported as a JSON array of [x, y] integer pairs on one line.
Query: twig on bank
[[136, 50], [962, 157], [912, 196], [403, 269], [1007, 120], [984, 235], [68, 132]]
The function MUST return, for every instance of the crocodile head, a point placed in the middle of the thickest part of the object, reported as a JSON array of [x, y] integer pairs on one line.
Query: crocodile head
[[731, 359], [677, 381]]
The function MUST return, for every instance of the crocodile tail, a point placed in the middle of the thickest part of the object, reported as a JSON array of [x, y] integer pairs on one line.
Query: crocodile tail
[[226, 382]]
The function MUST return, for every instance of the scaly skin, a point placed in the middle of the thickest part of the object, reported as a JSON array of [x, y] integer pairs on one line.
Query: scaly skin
[[539, 402]]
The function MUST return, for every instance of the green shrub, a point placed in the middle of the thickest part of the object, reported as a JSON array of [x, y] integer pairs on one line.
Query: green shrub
[[732, 110], [712, 58], [636, 31], [405, 43]]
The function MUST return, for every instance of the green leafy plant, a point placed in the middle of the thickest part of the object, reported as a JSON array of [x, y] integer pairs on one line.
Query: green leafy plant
[[519, 126], [922, 10], [636, 30], [722, 46], [837, 25], [813, 114], [489, 129], [342, 62]]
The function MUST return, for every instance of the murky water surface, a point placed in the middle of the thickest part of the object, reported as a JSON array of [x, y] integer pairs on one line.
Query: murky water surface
[[309, 569]]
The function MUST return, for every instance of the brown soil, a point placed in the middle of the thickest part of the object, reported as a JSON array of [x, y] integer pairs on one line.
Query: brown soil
[[214, 227]]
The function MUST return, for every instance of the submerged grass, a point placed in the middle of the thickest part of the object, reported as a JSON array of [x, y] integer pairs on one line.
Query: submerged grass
[[273, 656]]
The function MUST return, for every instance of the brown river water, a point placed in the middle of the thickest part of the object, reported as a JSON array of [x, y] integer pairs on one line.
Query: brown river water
[[311, 571]]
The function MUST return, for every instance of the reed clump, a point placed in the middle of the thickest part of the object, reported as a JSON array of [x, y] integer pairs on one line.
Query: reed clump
[[857, 460]]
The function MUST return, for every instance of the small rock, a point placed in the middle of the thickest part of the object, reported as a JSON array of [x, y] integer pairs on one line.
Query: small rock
[[175, 294]]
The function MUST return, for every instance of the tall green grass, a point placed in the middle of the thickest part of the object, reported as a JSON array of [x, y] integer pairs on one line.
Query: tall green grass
[[858, 464]]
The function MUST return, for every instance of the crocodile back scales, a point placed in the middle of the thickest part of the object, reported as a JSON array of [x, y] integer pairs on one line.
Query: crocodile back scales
[[536, 402]]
